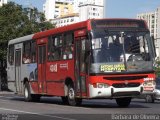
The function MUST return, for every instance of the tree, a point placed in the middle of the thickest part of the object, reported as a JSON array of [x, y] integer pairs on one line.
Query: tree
[[16, 21]]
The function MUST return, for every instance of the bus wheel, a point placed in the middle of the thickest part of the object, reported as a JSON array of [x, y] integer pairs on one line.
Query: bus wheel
[[71, 97], [123, 102], [27, 93]]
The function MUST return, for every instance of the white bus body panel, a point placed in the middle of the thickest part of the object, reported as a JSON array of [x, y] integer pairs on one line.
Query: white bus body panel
[[16, 75]]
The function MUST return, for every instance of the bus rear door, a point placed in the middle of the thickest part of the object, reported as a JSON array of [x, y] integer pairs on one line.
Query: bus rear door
[[42, 66], [18, 60]]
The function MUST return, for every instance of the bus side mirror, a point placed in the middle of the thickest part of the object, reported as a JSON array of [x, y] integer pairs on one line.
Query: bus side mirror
[[88, 45], [88, 41], [153, 47]]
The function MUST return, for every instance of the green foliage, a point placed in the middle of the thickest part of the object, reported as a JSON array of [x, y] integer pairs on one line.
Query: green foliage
[[157, 69], [16, 21]]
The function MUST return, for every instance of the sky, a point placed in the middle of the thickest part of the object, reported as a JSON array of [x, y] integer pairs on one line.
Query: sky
[[114, 8]]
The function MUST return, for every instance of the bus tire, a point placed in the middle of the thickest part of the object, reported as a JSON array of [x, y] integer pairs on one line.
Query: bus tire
[[72, 100], [123, 102], [27, 93], [28, 96]]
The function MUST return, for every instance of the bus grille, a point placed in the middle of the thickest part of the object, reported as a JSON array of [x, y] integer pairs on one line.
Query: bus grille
[[129, 94], [123, 85], [125, 77]]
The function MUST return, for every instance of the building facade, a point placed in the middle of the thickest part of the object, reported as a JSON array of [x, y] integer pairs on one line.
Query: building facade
[[158, 31], [66, 20], [153, 21], [57, 11], [3, 2], [91, 9], [49, 9], [57, 8]]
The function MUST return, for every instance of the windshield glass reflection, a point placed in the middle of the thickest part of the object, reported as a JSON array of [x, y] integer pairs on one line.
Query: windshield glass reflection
[[128, 49]]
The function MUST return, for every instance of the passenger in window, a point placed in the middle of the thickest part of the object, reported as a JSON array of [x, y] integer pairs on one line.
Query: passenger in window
[[68, 53], [26, 59], [33, 58], [54, 53], [49, 56]]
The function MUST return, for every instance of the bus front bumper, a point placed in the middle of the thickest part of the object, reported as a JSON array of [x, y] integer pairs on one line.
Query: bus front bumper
[[111, 92]]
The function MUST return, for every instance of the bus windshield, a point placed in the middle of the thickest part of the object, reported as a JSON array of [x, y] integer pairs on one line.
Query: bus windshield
[[121, 51]]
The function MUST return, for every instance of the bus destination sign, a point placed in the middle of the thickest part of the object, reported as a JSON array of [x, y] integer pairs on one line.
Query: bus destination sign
[[118, 24]]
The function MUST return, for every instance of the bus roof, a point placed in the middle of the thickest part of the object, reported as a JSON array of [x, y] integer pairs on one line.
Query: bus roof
[[70, 27], [84, 24], [75, 26], [21, 39]]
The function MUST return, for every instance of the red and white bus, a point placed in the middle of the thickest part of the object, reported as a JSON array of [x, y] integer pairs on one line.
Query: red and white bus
[[97, 58]]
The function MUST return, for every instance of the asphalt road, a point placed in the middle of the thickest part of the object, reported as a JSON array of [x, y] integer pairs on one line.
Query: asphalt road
[[13, 107]]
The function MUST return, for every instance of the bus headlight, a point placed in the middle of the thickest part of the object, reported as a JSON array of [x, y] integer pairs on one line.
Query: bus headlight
[[102, 85], [149, 85]]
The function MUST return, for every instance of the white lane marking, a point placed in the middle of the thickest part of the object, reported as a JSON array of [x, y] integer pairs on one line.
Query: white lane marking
[[51, 116]]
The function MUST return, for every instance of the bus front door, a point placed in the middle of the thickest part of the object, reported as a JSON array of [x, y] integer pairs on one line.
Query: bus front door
[[42, 68], [18, 70], [80, 68]]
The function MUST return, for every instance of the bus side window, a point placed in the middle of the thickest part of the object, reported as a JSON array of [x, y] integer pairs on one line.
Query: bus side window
[[54, 48], [68, 46], [33, 52], [26, 52], [11, 54], [50, 43]]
